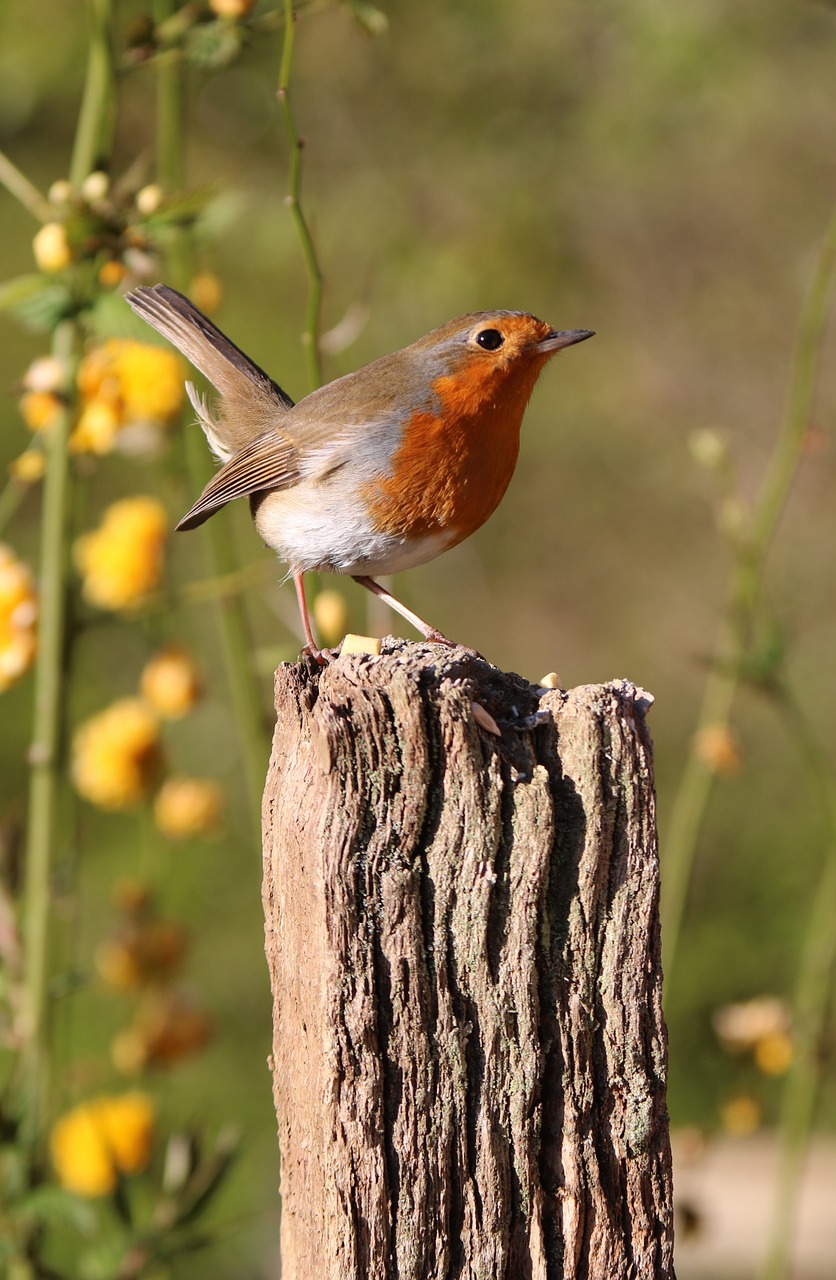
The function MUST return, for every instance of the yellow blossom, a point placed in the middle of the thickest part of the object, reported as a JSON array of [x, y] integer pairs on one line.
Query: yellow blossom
[[18, 618], [186, 807], [112, 273], [149, 199], [95, 186], [29, 467], [51, 247], [116, 754], [60, 192], [330, 613], [773, 1054], [46, 373], [231, 8], [170, 682], [206, 291], [717, 746], [143, 382], [97, 428], [122, 560], [98, 1140], [40, 410], [741, 1115]]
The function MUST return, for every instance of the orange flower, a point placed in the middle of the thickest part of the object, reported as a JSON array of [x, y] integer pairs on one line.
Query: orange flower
[[169, 1025], [717, 746]]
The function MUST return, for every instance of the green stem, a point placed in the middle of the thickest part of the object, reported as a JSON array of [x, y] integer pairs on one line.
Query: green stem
[[235, 639], [310, 337], [44, 755], [812, 998], [94, 132], [691, 799], [19, 186]]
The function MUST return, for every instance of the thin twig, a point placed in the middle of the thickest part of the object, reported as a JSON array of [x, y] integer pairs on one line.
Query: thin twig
[[310, 337], [235, 638], [743, 598], [814, 992], [47, 773], [18, 185]]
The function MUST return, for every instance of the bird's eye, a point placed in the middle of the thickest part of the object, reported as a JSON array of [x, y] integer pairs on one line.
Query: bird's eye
[[490, 339]]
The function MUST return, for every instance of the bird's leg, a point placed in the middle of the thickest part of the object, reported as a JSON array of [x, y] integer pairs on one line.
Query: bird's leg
[[311, 646], [428, 632]]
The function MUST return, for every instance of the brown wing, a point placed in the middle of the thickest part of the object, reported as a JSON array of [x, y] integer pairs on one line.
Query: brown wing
[[270, 462]]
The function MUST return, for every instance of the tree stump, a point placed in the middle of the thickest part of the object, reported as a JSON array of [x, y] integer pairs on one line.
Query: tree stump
[[460, 895]]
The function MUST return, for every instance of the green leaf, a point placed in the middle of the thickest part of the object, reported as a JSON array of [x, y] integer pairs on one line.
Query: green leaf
[[373, 20], [38, 301], [21, 289], [213, 44], [52, 1204]]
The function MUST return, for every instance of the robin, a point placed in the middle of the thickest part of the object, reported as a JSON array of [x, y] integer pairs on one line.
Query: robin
[[380, 470]]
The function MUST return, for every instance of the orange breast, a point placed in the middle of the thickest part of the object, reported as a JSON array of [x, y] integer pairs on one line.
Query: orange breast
[[453, 467]]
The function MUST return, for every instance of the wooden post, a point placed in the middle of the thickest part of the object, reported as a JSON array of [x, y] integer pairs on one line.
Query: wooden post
[[460, 894]]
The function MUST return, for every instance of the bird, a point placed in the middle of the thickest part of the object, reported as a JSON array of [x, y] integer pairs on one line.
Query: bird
[[378, 471]]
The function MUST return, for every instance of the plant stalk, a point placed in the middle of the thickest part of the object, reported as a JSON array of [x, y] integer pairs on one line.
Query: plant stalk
[[293, 200], [743, 597], [45, 756], [235, 639]]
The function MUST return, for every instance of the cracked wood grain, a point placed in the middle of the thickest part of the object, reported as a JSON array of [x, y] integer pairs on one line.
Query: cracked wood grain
[[462, 933]]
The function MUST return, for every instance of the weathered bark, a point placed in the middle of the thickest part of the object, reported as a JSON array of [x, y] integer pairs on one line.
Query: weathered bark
[[469, 1052]]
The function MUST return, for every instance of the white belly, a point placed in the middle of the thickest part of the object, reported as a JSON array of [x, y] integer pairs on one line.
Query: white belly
[[316, 530]]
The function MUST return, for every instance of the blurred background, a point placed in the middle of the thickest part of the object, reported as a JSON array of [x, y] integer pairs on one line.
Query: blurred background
[[662, 174]]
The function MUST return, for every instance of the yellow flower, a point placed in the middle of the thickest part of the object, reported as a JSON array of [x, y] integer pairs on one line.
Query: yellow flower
[[170, 683], [46, 373], [52, 248], [116, 755], [98, 1140], [97, 428], [122, 560], [18, 618], [112, 273], [330, 613], [149, 199], [142, 381], [231, 8], [741, 1115], [718, 748], [774, 1054], [29, 467], [40, 410], [187, 807], [206, 291]]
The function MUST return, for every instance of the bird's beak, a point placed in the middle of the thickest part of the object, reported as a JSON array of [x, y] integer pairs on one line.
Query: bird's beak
[[557, 339]]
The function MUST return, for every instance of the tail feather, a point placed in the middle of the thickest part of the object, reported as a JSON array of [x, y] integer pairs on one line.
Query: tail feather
[[252, 401]]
